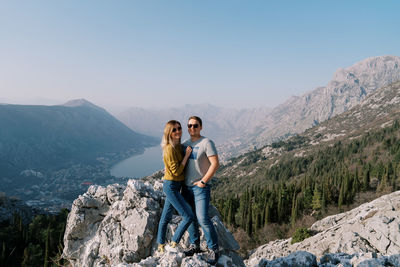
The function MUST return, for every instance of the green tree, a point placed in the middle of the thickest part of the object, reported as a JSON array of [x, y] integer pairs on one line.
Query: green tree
[[295, 209], [366, 179], [316, 201], [33, 256], [46, 249]]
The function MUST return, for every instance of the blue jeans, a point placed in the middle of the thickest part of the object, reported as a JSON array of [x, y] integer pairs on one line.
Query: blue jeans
[[199, 199], [175, 200]]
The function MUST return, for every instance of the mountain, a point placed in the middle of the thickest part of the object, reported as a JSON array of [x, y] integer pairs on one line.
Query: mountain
[[346, 160], [47, 138], [373, 120], [220, 124], [348, 87], [237, 131]]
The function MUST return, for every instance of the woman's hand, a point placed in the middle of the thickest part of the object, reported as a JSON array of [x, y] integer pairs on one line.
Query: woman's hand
[[188, 151], [187, 155]]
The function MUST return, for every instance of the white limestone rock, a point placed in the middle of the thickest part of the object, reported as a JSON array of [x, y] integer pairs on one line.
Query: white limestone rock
[[372, 230], [117, 226]]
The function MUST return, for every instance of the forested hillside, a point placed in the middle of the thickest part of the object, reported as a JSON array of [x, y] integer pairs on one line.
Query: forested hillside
[[321, 171], [38, 243]]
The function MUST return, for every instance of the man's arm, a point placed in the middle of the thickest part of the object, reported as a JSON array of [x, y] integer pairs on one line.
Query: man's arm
[[211, 171]]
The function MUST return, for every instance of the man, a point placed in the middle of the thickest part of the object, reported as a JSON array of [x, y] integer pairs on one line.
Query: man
[[200, 169]]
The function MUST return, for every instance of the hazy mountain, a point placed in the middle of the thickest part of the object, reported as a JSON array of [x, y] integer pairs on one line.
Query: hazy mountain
[[31, 101], [347, 88], [51, 137], [346, 160], [377, 111], [237, 131], [220, 124]]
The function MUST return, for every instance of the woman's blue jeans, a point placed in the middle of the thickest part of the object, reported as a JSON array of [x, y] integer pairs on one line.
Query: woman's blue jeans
[[172, 190], [199, 199]]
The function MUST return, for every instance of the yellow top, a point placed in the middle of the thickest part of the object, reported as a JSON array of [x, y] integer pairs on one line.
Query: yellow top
[[172, 161]]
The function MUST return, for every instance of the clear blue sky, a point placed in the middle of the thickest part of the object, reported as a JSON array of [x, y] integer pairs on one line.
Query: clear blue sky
[[170, 53]]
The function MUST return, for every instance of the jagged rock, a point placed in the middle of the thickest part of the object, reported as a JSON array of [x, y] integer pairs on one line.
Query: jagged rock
[[115, 223], [345, 260], [117, 226], [296, 259], [393, 260], [366, 232]]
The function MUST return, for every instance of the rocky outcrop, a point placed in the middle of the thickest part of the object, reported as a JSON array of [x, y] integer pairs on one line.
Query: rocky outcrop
[[117, 226], [306, 259], [365, 234]]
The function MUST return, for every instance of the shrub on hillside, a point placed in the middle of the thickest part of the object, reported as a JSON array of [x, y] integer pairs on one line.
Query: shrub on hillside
[[300, 234]]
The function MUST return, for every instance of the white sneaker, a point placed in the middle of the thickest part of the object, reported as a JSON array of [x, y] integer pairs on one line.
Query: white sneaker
[[172, 247]]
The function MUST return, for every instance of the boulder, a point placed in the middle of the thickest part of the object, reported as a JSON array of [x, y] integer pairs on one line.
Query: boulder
[[117, 226], [366, 233]]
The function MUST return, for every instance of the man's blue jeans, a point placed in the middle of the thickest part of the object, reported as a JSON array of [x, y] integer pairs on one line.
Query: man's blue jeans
[[199, 199], [175, 200]]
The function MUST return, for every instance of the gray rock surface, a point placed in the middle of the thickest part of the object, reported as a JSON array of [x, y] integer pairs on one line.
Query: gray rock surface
[[365, 233], [117, 226]]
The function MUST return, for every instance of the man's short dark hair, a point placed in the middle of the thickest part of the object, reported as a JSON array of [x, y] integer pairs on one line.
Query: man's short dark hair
[[197, 119]]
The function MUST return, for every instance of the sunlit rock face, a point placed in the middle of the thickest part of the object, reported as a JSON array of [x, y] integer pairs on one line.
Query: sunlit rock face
[[117, 226], [367, 233]]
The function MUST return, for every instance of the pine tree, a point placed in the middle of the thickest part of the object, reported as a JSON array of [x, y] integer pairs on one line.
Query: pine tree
[[230, 217], [295, 209], [316, 201], [3, 255], [267, 213], [323, 202], [384, 181], [341, 196], [366, 179], [46, 250], [249, 221]]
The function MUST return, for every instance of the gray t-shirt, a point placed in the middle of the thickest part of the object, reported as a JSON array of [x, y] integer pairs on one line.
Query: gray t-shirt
[[198, 162]]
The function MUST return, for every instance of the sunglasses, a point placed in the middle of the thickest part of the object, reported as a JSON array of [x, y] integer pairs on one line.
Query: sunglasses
[[195, 126], [177, 129]]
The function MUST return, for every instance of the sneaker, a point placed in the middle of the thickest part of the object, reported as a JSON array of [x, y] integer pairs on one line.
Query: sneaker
[[161, 248], [191, 250], [213, 256], [172, 247]]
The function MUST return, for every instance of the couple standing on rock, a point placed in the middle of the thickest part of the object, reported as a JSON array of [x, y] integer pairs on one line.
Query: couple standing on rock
[[187, 188]]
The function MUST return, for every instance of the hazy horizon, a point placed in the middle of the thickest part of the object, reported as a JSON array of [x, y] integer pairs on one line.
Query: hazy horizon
[[168, 54]]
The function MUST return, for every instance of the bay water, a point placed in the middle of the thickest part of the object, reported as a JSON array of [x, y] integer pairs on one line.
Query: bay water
[[140, 165]]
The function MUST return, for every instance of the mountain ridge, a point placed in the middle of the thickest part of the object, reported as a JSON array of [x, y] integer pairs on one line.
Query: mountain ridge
[[348, 87], [237, 131], [50, 154]]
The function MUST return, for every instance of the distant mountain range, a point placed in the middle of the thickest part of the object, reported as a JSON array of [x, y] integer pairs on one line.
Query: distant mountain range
[[377, 111], [348, 159], [348, 88], [237, 131], [220, 124], [46, 138]]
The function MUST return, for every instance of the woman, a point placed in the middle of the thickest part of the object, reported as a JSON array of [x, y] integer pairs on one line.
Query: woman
[[173, 180]]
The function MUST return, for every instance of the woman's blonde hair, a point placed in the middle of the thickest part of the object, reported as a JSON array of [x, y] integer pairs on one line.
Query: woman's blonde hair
[[166, 139]]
